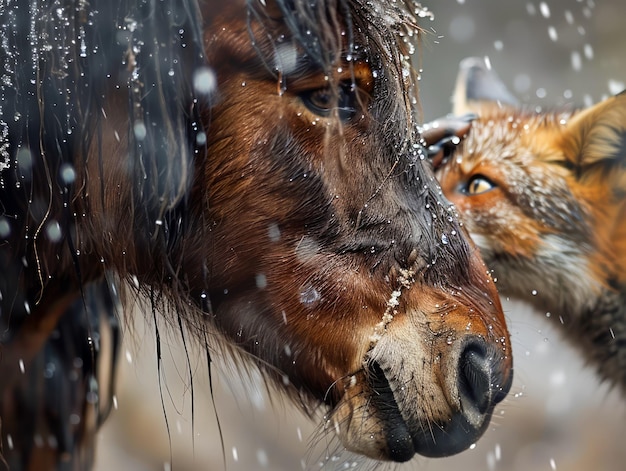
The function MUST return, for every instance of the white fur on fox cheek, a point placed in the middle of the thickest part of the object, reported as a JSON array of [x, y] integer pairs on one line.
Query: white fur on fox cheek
[[558, 276], [567, 275]]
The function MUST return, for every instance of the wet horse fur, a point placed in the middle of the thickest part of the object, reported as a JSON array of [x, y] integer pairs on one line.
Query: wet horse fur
[[253, 169]]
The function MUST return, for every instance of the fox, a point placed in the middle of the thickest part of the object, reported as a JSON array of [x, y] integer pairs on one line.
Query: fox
[[543, 196]]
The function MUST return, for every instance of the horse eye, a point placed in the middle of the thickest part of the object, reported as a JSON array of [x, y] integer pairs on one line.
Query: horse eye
[[478, 185], [322, 101]]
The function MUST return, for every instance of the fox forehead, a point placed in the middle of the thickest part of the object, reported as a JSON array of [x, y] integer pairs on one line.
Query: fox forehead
[[521, 150], [510, 136]]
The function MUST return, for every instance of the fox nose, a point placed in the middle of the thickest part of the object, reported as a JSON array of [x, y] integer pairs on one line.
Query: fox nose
[[482, 381]]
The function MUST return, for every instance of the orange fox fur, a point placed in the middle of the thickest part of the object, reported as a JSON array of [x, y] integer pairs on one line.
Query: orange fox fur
[[543, 195]]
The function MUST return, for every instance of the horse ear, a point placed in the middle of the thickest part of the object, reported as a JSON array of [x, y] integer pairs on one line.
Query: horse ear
[[597, 135], [476, 82]]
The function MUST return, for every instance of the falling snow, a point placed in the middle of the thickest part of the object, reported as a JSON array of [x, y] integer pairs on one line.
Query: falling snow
[[204, 81], [463, 28]]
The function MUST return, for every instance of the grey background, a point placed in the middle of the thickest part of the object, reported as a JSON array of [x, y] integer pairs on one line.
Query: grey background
[[515, 36]]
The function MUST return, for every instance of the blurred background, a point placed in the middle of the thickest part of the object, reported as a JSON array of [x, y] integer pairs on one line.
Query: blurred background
[[548, 53], [557, 417]]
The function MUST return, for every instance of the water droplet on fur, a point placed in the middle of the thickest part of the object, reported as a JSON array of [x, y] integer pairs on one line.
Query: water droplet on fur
[[24, 159], [140, 131], [53, 231], [273, 231], [201, 139], [309, 295], [5, 228], [261, 281], [49, 370], [204, 80]]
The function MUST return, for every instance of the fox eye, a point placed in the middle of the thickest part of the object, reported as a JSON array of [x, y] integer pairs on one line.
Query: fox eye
[[322, 101], [477, 185]]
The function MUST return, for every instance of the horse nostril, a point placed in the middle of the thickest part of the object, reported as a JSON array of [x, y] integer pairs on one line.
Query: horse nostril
[[479, 376]]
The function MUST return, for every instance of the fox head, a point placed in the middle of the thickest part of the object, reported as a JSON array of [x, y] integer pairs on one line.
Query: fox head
[[543, 194]]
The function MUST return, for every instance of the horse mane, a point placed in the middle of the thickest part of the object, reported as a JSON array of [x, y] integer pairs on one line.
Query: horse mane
[[148, 55], [129, 152], [56, 78]]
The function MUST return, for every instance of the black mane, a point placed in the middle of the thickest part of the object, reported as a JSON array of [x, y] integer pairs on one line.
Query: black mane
[[64, 61], [61, 62]]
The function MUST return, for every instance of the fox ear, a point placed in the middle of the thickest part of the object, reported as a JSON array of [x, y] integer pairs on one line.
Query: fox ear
[[597, 135], [476, 82]]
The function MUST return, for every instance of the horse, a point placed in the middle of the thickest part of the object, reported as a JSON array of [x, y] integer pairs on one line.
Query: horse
[[253, 170]]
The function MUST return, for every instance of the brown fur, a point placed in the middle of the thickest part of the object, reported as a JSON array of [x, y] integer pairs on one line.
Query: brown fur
[[287, 207], [543, 196]]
